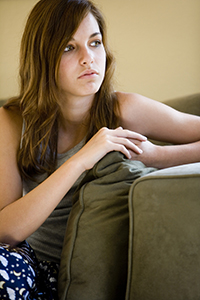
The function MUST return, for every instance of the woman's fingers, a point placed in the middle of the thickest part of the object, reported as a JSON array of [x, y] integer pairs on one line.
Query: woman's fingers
[[107, 140], [121, 140], [128, 144], [129, 134]]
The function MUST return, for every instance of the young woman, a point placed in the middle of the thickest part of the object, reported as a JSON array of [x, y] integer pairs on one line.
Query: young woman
[[66, 118]]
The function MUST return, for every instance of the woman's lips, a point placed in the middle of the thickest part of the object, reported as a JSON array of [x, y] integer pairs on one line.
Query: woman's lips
[[88, 74]]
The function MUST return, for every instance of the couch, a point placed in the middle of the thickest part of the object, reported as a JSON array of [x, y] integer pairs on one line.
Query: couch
[[158, 232], [134, 232], [164, 239]]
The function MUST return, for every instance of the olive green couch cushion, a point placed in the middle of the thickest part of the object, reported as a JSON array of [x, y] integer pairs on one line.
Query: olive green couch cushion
[[95, 252], [164, 253]]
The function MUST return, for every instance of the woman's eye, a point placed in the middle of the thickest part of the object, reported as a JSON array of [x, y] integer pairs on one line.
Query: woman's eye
[[69, 48], [96, 43]]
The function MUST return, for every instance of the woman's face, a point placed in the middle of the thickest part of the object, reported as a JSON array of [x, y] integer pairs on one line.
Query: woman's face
[[82, 66]]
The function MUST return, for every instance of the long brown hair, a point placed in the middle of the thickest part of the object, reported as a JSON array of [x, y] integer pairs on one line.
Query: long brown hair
[[51, 24]]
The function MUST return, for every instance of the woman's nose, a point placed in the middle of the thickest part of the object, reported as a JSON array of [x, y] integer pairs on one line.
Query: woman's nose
[[86, 57]]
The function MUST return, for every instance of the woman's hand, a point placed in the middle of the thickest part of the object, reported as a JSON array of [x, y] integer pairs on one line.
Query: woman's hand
[[166, 156], [150, 153], [107, 140]]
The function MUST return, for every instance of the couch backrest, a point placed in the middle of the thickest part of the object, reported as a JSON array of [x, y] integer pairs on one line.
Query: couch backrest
[[188, 104], [2, 102]]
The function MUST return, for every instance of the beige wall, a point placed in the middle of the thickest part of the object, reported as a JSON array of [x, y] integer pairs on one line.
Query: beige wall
[[156, 43]]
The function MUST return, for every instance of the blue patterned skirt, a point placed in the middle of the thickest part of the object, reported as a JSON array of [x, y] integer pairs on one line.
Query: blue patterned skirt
[[23, 277]]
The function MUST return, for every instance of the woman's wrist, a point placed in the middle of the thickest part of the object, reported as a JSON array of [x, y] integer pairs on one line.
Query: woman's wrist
[[174, 155]]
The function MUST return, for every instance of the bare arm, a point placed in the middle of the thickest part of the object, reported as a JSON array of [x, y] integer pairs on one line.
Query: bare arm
[[160, 122], [21, 216]]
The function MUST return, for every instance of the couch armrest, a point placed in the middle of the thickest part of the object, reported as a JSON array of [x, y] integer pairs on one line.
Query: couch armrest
[[164, 250]]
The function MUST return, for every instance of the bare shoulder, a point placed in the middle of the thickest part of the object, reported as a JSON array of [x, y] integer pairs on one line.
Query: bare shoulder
[[10, 123], [13, 114], [136, 102], [126, 98], [135, 109]]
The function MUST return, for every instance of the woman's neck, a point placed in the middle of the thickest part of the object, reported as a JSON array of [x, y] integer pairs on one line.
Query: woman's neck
[[75, 110], [73, 123]]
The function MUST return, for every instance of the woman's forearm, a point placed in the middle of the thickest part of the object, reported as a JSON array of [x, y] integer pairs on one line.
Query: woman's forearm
[[21, 218], [173, 155], [167, 156]]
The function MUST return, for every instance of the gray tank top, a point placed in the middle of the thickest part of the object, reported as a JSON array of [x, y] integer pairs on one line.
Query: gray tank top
[[48, 239]]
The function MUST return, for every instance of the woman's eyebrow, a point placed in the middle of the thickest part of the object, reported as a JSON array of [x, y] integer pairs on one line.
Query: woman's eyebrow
[[90, 37], [94, 34]]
